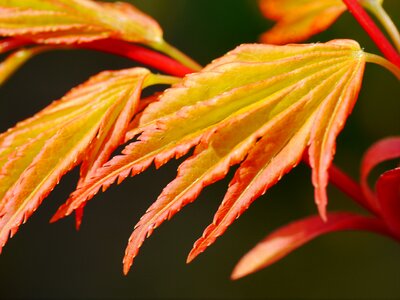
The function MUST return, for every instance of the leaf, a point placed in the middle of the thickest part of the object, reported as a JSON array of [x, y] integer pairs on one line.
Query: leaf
[[288, 238], [274, 157], [298, 20], [37, 152], [76, 21], [257, 98], [388, 194], [383, 150]]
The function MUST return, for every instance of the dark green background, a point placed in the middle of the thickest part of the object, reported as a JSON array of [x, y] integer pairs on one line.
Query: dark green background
[[54, 261]]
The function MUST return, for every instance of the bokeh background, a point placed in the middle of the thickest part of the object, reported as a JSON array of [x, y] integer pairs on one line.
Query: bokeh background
[[54, 261]]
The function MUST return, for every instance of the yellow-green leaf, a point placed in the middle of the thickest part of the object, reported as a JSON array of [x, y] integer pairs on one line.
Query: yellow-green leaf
[[262, 104], [74, 21], [38, 151]]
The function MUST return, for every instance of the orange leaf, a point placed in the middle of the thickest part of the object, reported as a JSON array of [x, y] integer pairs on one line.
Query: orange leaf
[[259, 101], [299, 20]]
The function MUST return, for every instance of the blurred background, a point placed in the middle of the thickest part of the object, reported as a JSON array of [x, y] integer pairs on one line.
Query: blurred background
[[54, 261]]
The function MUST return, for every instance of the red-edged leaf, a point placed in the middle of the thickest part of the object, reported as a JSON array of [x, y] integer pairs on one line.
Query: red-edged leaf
[[329, 122], [37, 152], [76, 21], [299, 20], [290, 237], [275, 155], [388, 194], [256, 91], [381, 151]]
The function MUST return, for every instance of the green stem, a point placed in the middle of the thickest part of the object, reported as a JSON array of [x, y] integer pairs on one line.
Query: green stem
[[16, 60], [161, 79], [177, 55], [375, 7], [379, 60]]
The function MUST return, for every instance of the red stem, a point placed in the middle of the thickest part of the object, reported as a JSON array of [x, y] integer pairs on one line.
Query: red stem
[[8, 44], [373, 31], [350, 187], [140, 54]]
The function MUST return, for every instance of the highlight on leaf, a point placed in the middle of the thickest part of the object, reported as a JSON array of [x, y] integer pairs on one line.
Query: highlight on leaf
[[256, 99], [85, 126], [298, 20]]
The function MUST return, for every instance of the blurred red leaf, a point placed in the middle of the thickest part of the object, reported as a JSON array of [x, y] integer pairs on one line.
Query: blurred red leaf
[[288, 238], [379, 152], [388, 193]]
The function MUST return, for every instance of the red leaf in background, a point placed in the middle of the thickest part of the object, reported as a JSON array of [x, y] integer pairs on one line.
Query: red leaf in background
[[290, 237], [388, 193], [381, 151]]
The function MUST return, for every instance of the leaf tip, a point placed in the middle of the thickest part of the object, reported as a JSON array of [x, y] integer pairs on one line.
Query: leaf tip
[[321, 200], [239, 272], [192, 255]]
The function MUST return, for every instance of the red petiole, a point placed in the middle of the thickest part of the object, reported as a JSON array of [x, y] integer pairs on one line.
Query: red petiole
[[140, 54], [9, 44]]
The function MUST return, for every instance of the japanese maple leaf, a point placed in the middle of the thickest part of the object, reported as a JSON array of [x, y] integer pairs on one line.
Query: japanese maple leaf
[[259, 105], [84, 126]]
